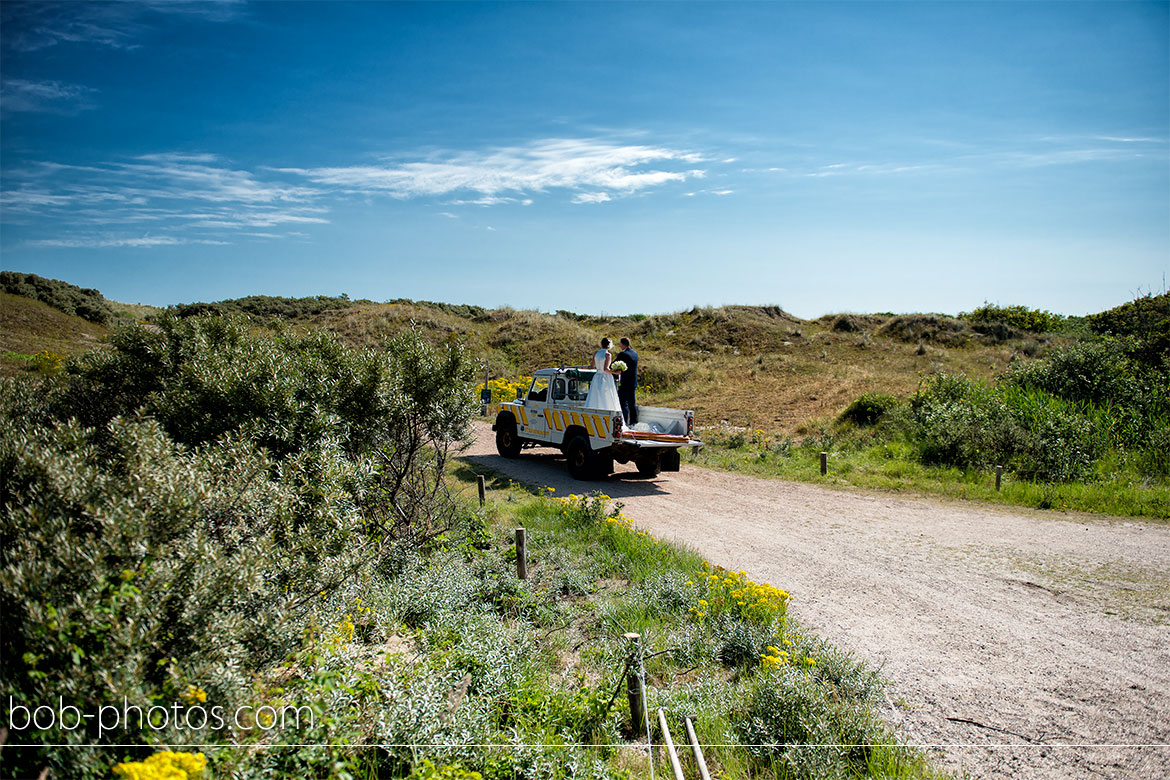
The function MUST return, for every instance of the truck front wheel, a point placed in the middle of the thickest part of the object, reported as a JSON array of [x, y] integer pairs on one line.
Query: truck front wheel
[[507, 442], [582, 460]]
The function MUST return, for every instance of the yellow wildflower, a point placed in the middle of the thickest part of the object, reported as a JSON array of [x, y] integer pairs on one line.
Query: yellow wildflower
[[166, 765]]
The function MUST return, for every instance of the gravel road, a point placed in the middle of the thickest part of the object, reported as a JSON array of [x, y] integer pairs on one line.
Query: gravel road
[[1017, 644]]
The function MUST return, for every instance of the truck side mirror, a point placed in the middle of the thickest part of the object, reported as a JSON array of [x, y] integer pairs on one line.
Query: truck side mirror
[[520, 393]]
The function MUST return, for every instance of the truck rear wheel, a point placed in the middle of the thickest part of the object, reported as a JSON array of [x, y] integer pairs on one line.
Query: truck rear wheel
[[507, 442], [581, 458], [649, 466]]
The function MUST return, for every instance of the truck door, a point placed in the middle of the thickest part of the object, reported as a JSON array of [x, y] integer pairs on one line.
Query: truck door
[[535, 405]]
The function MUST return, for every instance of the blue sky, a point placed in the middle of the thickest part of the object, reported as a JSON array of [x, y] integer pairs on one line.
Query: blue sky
[[602, 158]]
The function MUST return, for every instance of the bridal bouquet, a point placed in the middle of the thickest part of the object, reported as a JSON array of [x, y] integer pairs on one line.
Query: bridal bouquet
[[618, 365]]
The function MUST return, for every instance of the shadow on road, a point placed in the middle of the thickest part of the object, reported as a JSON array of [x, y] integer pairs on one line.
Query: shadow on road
[[548, 470]]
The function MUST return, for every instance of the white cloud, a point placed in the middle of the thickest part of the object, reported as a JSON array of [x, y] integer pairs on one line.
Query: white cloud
[[43, 96], [591, 197], [505, 174], [32, 26], [193, 197], [141, 242], [186, 198]]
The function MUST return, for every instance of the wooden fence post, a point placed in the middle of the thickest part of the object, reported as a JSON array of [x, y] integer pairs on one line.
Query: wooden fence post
[[521, 554], [998, 476], [482, 489], [824, 463], [635, 686]]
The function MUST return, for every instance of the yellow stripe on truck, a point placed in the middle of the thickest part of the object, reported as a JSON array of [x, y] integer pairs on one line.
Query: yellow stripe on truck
[[588, 423], [599, 422], [548, 419], [523, 414]]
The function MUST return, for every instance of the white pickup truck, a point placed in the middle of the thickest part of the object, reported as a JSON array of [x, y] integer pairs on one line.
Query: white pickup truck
[[556, 412]]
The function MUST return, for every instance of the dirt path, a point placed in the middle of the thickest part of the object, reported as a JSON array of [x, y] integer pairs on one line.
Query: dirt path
[[1031, 645]]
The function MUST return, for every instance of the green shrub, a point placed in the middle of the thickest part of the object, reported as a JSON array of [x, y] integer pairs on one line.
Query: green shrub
[[1019, 317], [178, 507], [1128, 399], [799, 724], [1139, 317], [868, 408], [960, 423], [69, 298], [132, 567], [267, 306], [1145, 323]]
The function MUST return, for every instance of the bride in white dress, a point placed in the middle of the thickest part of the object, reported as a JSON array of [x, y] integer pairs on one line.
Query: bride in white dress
[[603, 390]]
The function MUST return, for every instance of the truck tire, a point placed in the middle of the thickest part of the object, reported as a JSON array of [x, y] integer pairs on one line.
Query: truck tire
[[582, 460], [507, 441], [649, 466]]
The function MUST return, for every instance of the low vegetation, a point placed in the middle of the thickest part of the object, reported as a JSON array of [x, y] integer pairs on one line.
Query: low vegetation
[[1087, 427], [1017, 317], [267, 306], [209, 518]]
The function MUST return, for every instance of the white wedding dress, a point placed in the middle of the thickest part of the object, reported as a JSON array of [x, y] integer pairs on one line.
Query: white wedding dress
[[602, 390]]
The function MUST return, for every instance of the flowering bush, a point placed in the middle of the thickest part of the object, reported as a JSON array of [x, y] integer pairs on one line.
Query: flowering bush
[[166, 765], [505, 389], [731, 593]]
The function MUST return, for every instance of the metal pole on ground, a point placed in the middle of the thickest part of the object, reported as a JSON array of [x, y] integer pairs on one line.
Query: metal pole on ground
[[697, 749], [482, 489], [670, 751], [824, 463]]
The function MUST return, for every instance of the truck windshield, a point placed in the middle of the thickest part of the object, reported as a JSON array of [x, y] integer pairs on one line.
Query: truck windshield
[[539, 389]]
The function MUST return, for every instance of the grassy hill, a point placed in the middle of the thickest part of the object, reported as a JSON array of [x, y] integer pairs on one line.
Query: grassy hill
[[757, 367], [28, 327], [752, 366]]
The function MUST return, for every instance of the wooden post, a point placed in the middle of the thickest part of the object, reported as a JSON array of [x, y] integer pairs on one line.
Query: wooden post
[[824, 463], [521, 554], [670, 750], [482, 489], [484, 409], [635, 687], [998, 476]]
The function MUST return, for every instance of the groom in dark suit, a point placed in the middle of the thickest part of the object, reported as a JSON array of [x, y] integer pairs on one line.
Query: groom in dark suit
[[629, 382]]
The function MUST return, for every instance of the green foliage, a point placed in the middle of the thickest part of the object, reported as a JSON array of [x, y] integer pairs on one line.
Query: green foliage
[[177, 508], [1146, 320], [69, 298], [800, 724], [1019, 317], [869, 408], [428, 771], [267, 306], [206, 376], [1048, 420], [1139, 317]]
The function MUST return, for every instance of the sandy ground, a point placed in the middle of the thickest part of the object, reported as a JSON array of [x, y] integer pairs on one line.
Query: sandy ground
[[1016, 644]]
